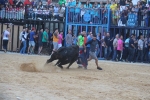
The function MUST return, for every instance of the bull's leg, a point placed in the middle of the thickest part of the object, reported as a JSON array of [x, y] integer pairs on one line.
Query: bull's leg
[[60, 66], [48, 61], [72, 61], [63, 62], [57, 62]]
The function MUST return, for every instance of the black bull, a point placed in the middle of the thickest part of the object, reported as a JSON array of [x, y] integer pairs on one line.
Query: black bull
[[65, 55]]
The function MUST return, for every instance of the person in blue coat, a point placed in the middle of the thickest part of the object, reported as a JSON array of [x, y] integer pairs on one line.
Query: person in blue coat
[[88, 5], [71, 10], [77, 11]]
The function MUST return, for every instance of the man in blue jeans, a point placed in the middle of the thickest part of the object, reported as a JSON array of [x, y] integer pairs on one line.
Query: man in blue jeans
[[69, 39], [23, 40], [107, 43], [89, 38], [131, 48], [31, 41]]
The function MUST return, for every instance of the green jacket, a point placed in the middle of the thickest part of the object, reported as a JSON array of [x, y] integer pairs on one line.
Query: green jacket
[[62, 2]]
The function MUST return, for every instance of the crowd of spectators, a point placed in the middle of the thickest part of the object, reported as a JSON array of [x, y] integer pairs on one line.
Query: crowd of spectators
[[36, 9], [118, 49], [129, 49]]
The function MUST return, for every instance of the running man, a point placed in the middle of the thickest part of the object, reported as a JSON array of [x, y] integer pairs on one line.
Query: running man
[[92, 54]]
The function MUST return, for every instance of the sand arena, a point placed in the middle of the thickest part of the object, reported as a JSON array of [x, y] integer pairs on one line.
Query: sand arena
[[24, 77]]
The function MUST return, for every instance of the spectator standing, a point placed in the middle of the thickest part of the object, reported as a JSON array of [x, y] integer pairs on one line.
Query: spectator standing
[[60, 39], [145, 48], [27, 2], [24, 41], [51, 10], [74, 40], [119, 47], [77, 11], [122, 5], [113, 7], [88, 4], [49, 2], [40, 5], [107, 46], [45, 38], [34, 13], [56, 12], [69, 39], [115, 43], [136, 48], [6, 38], [10, 2], [20, 38], [31, 41], [82, 61], [71, 4], [89, 38], [40, 35], [131, 48], [107, 5], [126, 49], [140, 49], [61, 12], [62, 2], [55, 40]]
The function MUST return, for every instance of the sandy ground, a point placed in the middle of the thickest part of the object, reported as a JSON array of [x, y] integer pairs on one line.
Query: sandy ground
[[24, 77]]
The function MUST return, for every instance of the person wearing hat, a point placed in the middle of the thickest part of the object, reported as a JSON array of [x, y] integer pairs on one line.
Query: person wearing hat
[[92, 54]]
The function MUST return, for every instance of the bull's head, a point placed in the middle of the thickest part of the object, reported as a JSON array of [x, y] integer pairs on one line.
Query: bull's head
[[54, 56]]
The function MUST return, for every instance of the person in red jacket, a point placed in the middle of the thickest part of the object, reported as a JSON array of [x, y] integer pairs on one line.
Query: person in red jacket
[[11, 2], [27, 2]]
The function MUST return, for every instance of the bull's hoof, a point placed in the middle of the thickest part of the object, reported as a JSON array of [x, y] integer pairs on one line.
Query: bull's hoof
[[60, 66], [47, 61], [67, 68]]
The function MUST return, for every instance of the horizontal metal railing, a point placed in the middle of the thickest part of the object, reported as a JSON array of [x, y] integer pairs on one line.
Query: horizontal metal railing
[[12, 14]]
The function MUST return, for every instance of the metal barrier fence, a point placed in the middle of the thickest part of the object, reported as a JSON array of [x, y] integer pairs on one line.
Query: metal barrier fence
[[85, 19], [87, 15], [127, 31], [12, 14]]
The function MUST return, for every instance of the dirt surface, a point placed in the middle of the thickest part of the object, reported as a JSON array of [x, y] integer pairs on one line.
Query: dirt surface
[[24, 77]]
